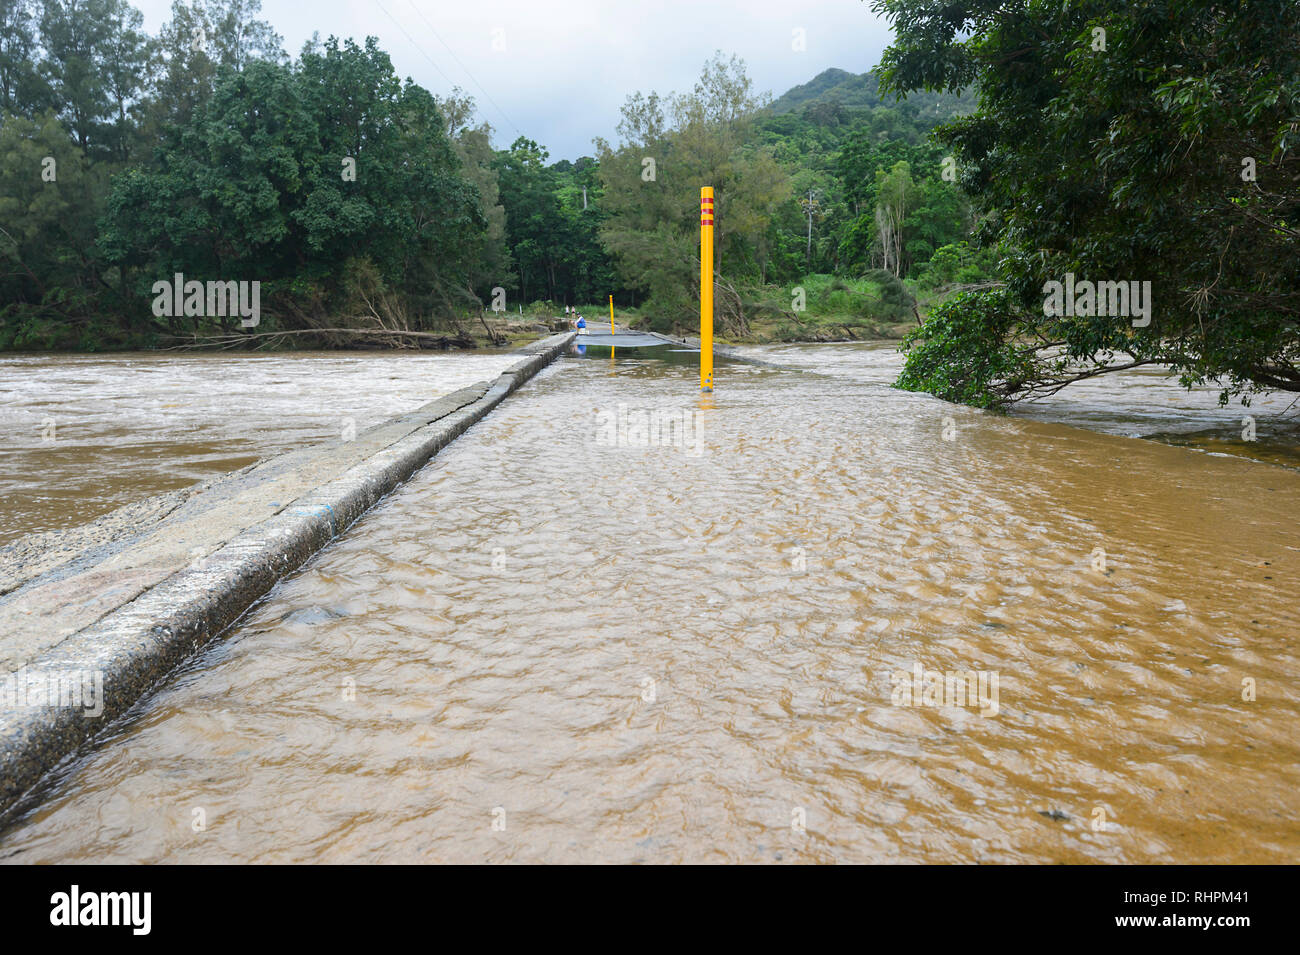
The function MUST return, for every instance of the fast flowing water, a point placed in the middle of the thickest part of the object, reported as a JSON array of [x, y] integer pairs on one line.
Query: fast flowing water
[[86, 434], [618, 622]]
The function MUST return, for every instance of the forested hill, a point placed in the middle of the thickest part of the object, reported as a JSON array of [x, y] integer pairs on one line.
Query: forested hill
[[861, 91], [827, 86]]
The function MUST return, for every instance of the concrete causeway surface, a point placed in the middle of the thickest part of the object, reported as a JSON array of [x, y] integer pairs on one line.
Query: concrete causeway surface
[[620, 340]]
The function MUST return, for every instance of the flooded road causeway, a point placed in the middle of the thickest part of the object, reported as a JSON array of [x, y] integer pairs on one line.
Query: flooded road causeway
[[806, 619]]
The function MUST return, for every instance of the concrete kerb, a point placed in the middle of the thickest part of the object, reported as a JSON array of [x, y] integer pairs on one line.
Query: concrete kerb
[[140, 643]]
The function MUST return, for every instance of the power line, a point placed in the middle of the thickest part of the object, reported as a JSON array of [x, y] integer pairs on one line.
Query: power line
[[414, 44], [450, 82], [452, 54]]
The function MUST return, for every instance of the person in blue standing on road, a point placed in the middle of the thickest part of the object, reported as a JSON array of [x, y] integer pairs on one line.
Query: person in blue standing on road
[[581, 325]]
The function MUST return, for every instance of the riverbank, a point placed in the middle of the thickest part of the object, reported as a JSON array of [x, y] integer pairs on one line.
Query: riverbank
[[823, 330], [468, 334]]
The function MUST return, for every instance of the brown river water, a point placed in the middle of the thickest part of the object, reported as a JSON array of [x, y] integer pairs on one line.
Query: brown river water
[[85, 434], [573, 637]]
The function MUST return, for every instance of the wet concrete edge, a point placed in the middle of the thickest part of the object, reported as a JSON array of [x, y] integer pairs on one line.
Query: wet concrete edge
[[141, 643], [725, 351]]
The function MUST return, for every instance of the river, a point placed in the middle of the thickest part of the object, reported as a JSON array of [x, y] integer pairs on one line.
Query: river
[[617, 621], [85, 434]]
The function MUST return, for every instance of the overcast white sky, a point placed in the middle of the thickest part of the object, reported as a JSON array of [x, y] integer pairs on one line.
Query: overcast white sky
[[568, 64]]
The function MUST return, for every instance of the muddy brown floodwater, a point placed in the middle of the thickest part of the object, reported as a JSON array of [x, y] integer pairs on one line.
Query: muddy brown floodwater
[[1140, 403], [569, 640], [86, 434]]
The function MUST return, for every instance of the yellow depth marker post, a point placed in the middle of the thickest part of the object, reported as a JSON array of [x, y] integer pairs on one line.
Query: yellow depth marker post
[[611, 315], [706, 288]]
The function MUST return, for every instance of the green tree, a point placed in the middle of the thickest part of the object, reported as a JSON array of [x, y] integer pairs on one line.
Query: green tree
[[331, 182], [48, 205], [74, 34], [94, 69], [534, 220], [473, 145], [21, 89], [202, 38], [124, 64], [895, 193], [651, 193], [1130, 140]]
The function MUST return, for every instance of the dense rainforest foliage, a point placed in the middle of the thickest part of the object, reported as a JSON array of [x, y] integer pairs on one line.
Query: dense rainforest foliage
[[205, 153], [1148, 146], [824, 213], [358, 200]]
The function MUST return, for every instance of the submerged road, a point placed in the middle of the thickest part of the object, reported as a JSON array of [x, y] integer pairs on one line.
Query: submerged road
[[616, 621]]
